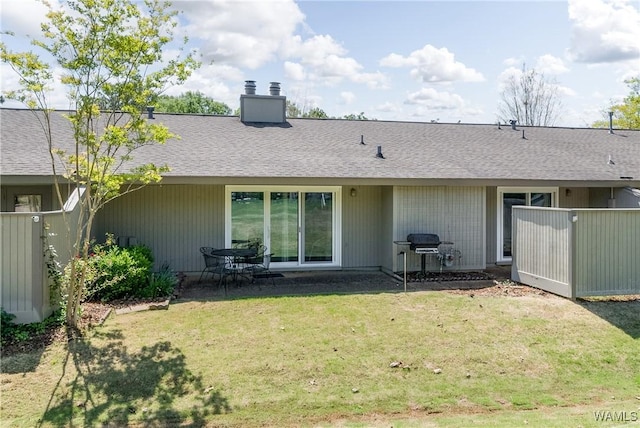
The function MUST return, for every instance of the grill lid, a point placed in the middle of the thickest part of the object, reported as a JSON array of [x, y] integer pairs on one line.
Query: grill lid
[[423, 240]]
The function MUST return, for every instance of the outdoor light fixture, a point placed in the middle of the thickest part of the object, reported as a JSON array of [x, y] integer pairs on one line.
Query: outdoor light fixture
[[354, 192]]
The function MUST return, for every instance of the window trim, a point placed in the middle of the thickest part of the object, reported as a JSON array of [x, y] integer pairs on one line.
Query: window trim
[[267, 190]]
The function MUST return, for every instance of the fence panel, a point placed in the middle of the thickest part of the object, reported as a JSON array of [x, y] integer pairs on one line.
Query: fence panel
[[542, 248], [24, 286], [21, 293], [607, 252], [578, 252]]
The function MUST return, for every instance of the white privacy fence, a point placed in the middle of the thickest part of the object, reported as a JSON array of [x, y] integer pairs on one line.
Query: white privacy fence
[[25, 286], [577, 252]]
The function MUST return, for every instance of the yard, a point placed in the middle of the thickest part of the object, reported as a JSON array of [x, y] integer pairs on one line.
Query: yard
[[426, 358]]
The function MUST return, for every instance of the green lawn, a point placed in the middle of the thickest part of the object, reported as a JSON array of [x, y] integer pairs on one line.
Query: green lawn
[[326, 361]]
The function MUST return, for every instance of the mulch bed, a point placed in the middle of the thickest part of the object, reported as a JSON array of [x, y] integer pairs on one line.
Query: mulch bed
[[93, 314], [445, 276]]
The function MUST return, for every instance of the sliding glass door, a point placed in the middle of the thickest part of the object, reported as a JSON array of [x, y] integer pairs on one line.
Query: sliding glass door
[[510, 197], [299, 226]]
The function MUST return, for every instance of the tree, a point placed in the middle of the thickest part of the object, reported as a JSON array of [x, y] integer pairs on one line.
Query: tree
[[626, 115], [190, 102], [316, 113], [530, 99], [352, 116], [293, 110], [108, 50]]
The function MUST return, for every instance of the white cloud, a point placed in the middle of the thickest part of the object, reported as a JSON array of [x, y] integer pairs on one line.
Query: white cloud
[[435, 100], [432, 65], [23, 17], [565, 91], [550, 64], [375, 80], [326, 62], [242, 34], [346, 97], [604, 31], [294, 71], [513, 62], [387, 107]]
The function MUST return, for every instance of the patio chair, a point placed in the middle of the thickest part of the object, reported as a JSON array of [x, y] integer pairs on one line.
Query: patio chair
[[258, 266], [214, 264]]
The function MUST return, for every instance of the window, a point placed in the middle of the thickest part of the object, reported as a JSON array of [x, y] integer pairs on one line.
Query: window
[[27, 203]]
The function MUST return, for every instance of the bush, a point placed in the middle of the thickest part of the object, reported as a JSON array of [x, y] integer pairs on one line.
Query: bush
[[121, 272], [161, 283]]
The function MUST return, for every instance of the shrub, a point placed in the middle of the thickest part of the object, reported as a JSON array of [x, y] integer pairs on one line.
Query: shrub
[[121, 272], [160, 283]]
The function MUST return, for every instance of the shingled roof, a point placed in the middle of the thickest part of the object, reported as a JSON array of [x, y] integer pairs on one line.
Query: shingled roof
[[224, 148]]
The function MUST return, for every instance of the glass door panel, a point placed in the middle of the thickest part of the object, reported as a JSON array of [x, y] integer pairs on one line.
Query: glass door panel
[[247, 218], [508, 201], [318, 226], [541, 199], [284, 227]]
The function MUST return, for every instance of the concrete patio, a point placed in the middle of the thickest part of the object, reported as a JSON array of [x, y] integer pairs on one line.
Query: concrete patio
[[329, 282]]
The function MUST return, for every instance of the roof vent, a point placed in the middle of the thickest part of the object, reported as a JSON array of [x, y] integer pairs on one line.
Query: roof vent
[[250, 87], [362, 140], [610, 122], [379, 154], [274, 89], [513, 124]]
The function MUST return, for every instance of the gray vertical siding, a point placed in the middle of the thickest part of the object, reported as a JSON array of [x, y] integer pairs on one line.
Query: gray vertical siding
[[492, 224], [361, 227], [174, 220], [387, 232], [573, 197], [607, 252], [456, 214]]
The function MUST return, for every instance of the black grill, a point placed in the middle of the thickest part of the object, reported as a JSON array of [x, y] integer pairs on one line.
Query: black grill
[[423, 243]]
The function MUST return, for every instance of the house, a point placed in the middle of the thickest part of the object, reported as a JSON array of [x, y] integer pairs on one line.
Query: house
[[336, 194]]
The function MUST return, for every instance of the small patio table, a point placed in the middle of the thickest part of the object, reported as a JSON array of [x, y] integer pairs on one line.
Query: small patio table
[[236, 260]]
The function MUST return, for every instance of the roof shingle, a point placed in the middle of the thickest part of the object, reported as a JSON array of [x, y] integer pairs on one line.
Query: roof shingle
[[224, 147]]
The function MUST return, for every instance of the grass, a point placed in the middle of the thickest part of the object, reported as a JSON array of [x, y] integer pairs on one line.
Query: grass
[[325, 361]]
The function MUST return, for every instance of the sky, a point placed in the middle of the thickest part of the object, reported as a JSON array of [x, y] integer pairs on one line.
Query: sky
[[443, 61]]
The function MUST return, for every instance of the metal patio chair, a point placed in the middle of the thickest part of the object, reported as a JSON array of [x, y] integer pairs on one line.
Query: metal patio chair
[[215, 265], [258, 266]]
